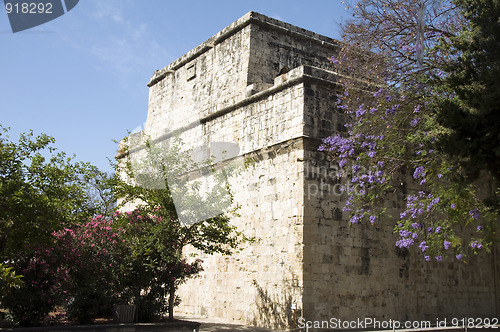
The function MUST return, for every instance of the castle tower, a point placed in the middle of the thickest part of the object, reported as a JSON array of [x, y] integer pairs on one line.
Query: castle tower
[[268, 87]]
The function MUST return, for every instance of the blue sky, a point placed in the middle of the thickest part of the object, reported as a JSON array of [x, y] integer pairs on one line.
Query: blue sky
[[82, 77]]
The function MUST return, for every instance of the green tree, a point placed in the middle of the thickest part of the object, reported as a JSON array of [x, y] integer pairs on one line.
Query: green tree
[[162, 184], [470, 90], [149, 266], [38, 194], [41, 192]]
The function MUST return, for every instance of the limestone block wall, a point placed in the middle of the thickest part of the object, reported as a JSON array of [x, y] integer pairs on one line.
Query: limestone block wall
[[258, 284], [355, 271], [267, 87], [276, 47], [197, 85], [241, 60]]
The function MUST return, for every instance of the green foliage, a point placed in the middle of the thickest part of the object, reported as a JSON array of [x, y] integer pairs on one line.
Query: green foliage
[[149, 263], [41, 190], [8, 279], [157, 165], [87, 264], [30, 304], [88, 252], [470, 90]]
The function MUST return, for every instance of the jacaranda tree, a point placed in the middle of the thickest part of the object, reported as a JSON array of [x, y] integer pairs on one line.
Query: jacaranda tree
[[398, 80]]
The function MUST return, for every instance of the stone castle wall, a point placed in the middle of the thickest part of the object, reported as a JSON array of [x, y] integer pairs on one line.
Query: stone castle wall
[[267, 87]]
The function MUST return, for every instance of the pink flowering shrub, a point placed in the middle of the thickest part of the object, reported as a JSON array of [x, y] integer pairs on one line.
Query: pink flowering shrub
[[89, 257], [126, 259], [30, 304]]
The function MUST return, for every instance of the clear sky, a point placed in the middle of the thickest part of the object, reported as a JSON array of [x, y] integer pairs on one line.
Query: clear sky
[[82, 77]]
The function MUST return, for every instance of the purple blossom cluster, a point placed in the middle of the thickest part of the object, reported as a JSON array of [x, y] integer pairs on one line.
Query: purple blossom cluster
[[343, 147], [423, 246], [474, 213], [402, 111], [407, 238], [476, 244], [419, 172]]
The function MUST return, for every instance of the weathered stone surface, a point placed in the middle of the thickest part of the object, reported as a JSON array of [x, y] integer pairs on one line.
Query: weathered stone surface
[[267, 86]]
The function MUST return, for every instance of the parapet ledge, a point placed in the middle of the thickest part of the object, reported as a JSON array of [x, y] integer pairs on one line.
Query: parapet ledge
[[304, 72], [258, 91], [293, 76]]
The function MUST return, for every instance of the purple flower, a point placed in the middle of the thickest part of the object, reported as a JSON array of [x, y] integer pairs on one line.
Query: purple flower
[[459, 256], [354, 219], [479, 228], [360, 112], [423, 246], [414, 122], [476, 244], [438, 229], [376, 94], [372, 219], [404, 243], [333, 60], [474, 213], [427, 258], [439, 258], [439, 175], [446, 245], [404, 233], [453, 206], [418, 172]]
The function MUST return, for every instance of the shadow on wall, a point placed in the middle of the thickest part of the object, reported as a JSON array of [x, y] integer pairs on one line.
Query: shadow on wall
[[274, 310]]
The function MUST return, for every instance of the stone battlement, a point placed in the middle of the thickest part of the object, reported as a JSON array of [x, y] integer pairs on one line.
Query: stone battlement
[[247, 19]]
